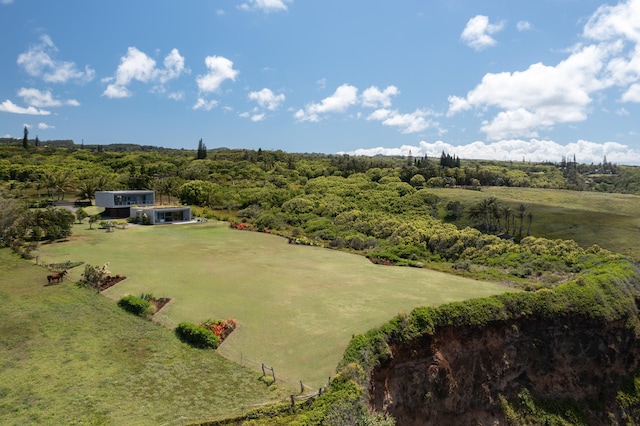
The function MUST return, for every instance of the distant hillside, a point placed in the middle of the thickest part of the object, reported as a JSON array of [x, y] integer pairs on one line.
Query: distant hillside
[[68, 143]]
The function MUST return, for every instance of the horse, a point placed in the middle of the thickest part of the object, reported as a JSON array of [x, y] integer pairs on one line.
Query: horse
[[57, 277]]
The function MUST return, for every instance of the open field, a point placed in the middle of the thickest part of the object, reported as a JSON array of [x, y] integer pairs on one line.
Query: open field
[[297, 306], [611, 221], [69, 356]]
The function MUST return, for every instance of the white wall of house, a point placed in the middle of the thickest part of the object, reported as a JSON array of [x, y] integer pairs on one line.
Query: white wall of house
[[116, 199], [158, 215]]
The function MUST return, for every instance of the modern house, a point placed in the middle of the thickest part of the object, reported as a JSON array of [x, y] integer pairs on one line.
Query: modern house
[[161, 214], [118, 203], [140, 205]]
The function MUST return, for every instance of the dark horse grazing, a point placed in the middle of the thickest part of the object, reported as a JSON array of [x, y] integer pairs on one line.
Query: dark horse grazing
[[57, 277]]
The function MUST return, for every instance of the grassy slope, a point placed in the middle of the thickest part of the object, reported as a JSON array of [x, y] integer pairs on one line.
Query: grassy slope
[[69, 356], [610, 220], [297, 306]]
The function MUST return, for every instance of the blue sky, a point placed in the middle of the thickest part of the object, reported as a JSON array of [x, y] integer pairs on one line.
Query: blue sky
[[491, 79]]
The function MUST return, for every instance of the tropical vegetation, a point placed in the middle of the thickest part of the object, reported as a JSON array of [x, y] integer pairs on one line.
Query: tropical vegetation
[[385, 208]]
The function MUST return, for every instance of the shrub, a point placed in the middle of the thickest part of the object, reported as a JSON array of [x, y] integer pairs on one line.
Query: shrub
[[197, 336], [135, 305], [221, 328]]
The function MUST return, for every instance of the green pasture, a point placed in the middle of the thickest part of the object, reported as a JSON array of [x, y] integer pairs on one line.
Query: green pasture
[[71, 357], [611, 221], [297, 306]]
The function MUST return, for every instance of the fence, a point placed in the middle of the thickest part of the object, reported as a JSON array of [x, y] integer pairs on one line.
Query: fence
[[265, 368]]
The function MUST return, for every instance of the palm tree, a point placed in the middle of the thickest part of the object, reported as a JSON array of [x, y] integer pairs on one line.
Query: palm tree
[[173, 184], [87, 189], [163, 186], [521, 209], [102, 183], [494, 214], [64, 182], [487, 211], [49, 181], [39, 185], [506, 213]]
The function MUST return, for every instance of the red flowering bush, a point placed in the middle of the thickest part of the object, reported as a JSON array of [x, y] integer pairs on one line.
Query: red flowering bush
[[242, 226], [221, 328]]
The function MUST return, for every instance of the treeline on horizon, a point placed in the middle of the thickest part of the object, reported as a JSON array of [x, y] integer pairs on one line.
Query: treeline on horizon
[[569, 174]]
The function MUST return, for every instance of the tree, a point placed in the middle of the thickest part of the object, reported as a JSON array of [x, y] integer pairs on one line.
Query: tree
[[93, 219], [417, 181], [506, 213], [454, 210], [521, 214], [81, 214], [63, 182], [87, 189], [202, 151], [25, 139], [166, 186], [37, 142], [93, 276], [488, 211], [529, 220], [49, 182]]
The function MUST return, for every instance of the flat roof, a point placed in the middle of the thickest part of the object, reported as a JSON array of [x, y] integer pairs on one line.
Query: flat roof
[[160, 207], [128, 191]]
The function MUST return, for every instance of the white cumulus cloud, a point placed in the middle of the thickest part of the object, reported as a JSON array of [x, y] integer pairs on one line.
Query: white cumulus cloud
[[524, 26], [632, 94], [374, 97], [138, 66], [515, 150], [522, 103], [265, 5], [39, 61], [39, 99], [205, 104], [344, 97], [414, 122], [267, 99], [220, 69], [8, 106], [478, 32]]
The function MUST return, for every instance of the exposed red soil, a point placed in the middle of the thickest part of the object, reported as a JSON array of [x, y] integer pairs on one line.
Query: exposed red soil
[[110, 282], [160, 302]]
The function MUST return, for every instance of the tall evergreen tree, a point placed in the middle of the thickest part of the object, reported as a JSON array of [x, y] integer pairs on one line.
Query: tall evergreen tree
[[25, 139], [202, 150]]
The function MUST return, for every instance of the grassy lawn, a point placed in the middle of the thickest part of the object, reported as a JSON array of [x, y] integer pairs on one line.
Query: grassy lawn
[[69, 356], [610, 220], [297, 307]]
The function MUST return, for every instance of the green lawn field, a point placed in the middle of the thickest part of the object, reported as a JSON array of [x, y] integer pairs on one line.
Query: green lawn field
[[71, 357], [611, 221], [297, 307]]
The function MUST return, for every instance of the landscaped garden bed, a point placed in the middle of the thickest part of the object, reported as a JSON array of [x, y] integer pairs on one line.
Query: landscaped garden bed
[[207, 335], [110, 281]]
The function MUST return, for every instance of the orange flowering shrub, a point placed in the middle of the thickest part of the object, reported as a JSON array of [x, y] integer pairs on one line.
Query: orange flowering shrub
[[221, 328]]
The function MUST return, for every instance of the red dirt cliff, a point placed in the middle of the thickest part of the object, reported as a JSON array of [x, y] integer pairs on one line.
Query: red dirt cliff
[[457, 375]]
